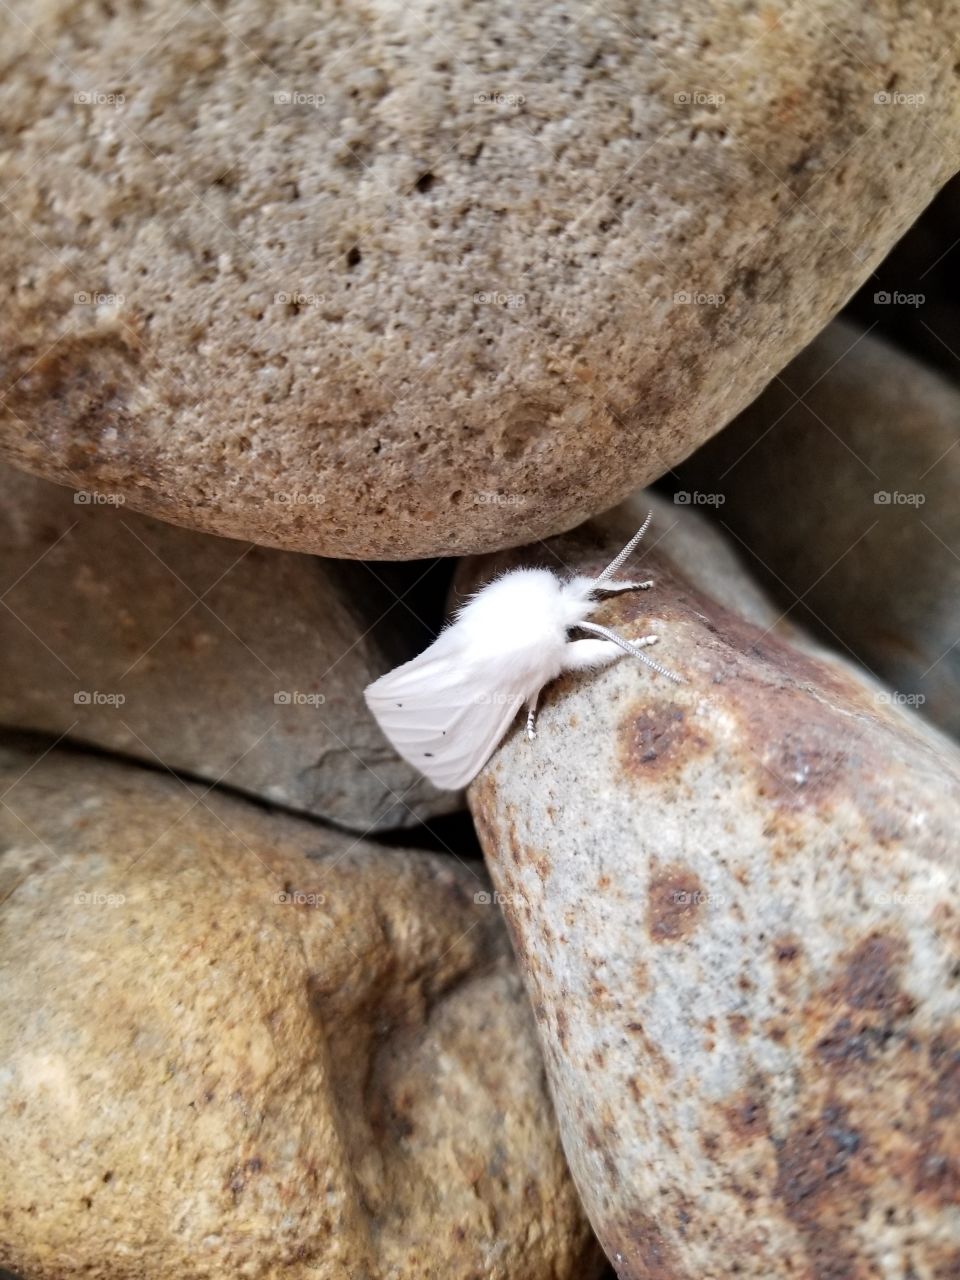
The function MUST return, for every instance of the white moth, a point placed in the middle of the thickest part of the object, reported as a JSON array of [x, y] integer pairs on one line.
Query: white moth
[[446, 710]]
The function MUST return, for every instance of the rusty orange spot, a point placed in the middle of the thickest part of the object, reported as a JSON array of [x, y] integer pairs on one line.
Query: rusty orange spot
[[674, 899]]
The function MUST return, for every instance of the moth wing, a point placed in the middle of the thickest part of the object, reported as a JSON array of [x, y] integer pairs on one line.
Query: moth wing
[[445, 711]]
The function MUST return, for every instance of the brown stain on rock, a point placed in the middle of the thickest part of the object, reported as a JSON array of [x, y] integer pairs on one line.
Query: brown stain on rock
[[789, 707], [639, 1249], [655, 739], [871, 978], [483, 809], [818, 1184], [75, 372], [863, 1013], [947, 1264], [777, 1030], [793, 709], [674, 900], [786, 950], [560, 1014], [653, 1059], [513, 840], [937, 1163], [798, 755], [739, 1024], [541, 864], [595, 1143], [808, 763], [746, 1117], [877, 1114]]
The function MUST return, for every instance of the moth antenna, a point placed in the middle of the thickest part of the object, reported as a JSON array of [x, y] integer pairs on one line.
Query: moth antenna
[[615, 564], [632, 649]]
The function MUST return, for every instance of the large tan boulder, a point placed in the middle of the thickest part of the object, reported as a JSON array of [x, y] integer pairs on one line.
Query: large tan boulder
[[736, 907], [235, 1044], [375, 280], [241, 665]]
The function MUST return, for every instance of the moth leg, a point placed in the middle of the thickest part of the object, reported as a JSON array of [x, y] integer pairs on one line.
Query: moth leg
[[611, 588], [532, 716], [587, 655]]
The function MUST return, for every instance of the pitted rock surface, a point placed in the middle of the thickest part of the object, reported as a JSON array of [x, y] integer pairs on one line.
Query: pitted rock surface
[[387, 281]]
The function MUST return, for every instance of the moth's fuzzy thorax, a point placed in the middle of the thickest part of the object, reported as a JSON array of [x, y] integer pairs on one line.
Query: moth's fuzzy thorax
[[528, 603]]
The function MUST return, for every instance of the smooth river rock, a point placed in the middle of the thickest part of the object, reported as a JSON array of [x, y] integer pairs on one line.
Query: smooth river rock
[[235, 1044], [399, 281], [841, 484], [240, 665], [735, 905]]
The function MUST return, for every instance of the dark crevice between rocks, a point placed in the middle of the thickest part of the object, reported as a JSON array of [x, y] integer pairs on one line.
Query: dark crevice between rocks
[[449, 833], [423, 587]]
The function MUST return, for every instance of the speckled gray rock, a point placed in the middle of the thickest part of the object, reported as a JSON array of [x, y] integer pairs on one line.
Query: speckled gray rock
[[386, 281], [735, 903], [846, 503], [221, 1057], [239, 665]]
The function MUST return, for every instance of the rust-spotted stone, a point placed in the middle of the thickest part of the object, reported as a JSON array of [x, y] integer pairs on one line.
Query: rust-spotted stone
[[736, 907]]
